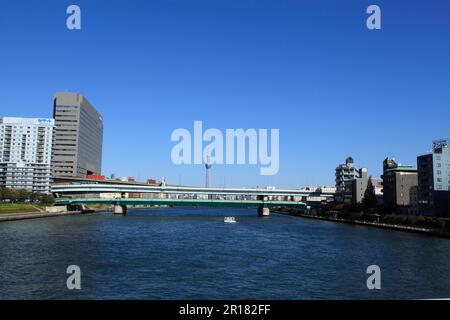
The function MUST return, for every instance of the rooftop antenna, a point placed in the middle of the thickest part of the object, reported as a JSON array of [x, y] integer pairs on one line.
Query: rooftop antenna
[[208, 172]]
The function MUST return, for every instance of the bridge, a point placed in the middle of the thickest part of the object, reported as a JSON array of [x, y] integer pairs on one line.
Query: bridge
[[263, 199], [121, 204]]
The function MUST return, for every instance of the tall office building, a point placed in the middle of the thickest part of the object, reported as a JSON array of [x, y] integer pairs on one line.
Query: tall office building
[[78, 139], [434, 180], [25, 153]]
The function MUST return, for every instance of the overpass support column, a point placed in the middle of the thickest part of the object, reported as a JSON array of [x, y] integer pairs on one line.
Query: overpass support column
[[118, 209]]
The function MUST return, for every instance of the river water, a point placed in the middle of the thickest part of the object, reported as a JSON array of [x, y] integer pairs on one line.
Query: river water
[[190, 253]]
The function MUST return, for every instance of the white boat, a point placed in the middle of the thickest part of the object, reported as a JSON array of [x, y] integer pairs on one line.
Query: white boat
[[229, 220]]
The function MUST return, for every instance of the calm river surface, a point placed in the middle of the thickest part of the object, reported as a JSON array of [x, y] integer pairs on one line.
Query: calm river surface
[[190, 253]]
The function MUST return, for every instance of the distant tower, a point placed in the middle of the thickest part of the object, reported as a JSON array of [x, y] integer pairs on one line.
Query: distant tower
[[208, 172]]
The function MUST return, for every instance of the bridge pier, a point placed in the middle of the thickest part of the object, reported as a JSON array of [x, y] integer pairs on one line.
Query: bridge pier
[[118, 209], [263, 211]]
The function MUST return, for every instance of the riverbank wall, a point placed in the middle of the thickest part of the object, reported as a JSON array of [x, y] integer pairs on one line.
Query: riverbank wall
[[379, 225], [34, 215]]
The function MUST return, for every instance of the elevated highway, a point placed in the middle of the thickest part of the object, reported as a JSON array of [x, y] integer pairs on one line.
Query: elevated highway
[[84, 192]]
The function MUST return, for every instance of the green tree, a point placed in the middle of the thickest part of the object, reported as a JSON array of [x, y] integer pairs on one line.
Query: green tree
[[13, 195], [34, 197], [9, 194], [22, 195], [370, 199], [47, 199]]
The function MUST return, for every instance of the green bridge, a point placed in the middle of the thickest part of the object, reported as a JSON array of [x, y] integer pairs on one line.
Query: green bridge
[[120, 204]]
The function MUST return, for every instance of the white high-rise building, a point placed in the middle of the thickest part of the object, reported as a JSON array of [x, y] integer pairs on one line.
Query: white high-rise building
[[26, 153]]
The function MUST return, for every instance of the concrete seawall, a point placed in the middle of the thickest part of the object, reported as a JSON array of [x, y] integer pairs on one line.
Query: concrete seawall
[[395, 227], [34, 215]]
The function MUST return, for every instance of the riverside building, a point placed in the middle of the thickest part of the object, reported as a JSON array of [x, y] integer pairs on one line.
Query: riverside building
[[400, 187], [25, 153], [434, 180], [345, 174]]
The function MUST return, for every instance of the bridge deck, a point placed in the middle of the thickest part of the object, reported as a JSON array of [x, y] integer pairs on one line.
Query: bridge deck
[[120, 188], [183, 202]]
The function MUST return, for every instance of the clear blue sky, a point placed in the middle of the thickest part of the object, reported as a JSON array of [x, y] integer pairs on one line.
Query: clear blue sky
[[310, 68]]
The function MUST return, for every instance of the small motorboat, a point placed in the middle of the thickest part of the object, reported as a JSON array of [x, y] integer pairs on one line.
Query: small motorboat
[[229, 220]]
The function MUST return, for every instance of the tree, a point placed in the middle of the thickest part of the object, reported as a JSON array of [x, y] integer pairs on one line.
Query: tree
[[34, 197], [8, 194], [47, 199], [22, 195], [370, 199]]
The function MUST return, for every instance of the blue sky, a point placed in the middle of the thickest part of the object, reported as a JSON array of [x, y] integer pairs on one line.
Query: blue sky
[[310, 68]]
